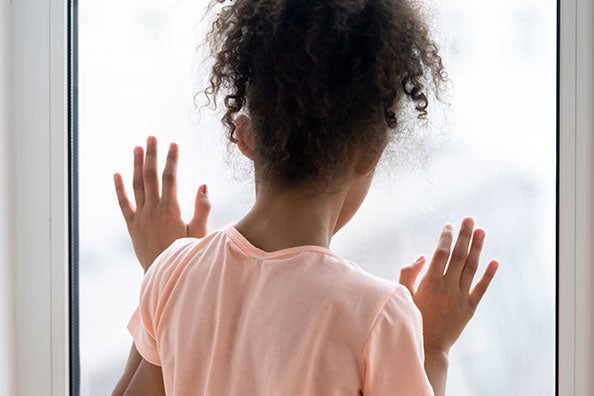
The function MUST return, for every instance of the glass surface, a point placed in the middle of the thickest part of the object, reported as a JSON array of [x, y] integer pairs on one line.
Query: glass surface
[[489, 153]]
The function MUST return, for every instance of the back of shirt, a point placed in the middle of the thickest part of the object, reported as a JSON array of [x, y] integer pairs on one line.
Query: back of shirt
[[222, 317]]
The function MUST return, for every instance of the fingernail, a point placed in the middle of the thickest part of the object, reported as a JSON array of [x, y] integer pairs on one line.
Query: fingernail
[[151, 140], [419, 259], [479, 233], [137, 151], [204, 190], [495, 265], [448, 227], [468, 222], [173, 147]]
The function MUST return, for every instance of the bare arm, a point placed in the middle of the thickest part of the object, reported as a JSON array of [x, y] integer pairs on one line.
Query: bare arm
[[134, 360], [140, 378], [147, 381], [436, 368], [153, 224]]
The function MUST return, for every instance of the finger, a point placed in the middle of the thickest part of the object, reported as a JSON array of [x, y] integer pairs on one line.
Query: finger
[[197, 226], [170, 175], [478, 291], [137, 179], [472, 261], [123, 200], [151, 177], [442, 252], [460, 251], [410, 274]]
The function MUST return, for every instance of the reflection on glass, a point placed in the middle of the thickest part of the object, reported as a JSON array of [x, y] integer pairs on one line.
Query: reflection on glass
[[492, 157]]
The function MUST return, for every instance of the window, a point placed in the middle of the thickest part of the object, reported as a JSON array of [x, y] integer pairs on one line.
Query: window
[[495, 160], [154, 96]]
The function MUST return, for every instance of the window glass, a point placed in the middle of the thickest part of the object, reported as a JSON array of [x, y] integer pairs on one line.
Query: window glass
[[488, 151]]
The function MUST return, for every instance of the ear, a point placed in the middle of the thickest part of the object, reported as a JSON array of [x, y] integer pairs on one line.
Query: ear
[[244, 136], [367, 159]]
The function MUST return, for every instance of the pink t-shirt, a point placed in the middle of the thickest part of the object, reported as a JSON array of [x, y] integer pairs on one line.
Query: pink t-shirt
[[222, 317]]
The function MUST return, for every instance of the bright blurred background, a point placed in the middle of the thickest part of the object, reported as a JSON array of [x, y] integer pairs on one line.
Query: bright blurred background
[[488, 153]]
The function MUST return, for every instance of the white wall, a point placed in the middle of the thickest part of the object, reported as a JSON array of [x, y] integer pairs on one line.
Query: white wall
[[7, 358]]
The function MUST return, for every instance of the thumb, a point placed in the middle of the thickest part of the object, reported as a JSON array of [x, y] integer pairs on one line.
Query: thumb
[[197, 226], [410, 273]]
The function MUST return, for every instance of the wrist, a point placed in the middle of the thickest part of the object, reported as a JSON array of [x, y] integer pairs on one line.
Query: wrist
[[437, 354], [436, 345], [436, 368]]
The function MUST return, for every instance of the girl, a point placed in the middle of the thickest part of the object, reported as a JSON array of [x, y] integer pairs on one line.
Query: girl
[[264, 307]]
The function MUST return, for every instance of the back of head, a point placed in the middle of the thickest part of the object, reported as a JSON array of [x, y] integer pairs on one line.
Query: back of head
[[319, 77]]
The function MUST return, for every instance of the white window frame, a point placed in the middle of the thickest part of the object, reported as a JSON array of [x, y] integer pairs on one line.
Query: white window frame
[[40, 195], [37, 211], [576, 199]]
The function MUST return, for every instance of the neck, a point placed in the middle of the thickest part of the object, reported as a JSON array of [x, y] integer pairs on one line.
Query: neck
[[281, 219]]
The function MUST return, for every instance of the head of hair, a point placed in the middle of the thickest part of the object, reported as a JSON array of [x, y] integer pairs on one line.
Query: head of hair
[[319, 78]]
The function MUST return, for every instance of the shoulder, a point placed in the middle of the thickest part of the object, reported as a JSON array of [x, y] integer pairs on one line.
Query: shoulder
[[370, 297], [399, 308], [170, 264], [180, 251], [397, 324], [375, 288], [388, 300]]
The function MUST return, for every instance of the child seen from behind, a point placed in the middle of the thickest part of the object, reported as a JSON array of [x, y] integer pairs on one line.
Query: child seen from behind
[[313, 92]]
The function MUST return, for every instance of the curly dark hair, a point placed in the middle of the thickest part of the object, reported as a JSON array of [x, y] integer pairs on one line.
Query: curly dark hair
[[318, 77]]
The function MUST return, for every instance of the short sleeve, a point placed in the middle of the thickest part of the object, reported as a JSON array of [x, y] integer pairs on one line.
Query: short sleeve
[[393, 356], [157, 282]]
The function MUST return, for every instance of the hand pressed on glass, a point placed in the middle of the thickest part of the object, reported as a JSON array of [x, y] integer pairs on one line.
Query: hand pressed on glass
[[444, 295], [156, 221]]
